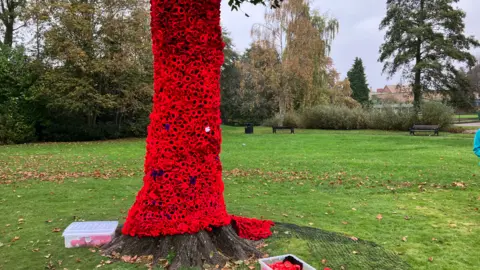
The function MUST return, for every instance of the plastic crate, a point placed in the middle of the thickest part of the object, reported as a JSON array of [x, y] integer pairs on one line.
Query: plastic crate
[[90, 233], [264, 263]]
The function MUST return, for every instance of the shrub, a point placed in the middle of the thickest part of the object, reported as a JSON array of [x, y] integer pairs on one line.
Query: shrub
[[14, 128], [291, 119], [436, 113], [389, 118], [334, 117]]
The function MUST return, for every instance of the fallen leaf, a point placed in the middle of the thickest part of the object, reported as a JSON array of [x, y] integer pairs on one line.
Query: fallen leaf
[[354, 238], [430, 259], [324, 261], [404, 239], [1, 244], [16, 238], [21, 221], [92, 250], [7, 225], [56, 230], [344, 222], [48, 256], [310, 224], [285, 215], [108, 262], [251, 267], [452, 225], [407, 218], [78, 260], [126, 258], [36, 250], [379, 216], [434, 239], [48, 221], [354, 209], [355, 252]]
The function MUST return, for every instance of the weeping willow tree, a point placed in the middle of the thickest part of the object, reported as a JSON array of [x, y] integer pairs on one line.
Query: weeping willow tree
[[302, 37]]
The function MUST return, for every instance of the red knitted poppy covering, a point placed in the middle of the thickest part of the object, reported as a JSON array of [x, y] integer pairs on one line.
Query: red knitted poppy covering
[[183, 187]]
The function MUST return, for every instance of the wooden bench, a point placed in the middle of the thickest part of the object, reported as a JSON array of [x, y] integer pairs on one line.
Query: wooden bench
[[292, 129], [425, 128]]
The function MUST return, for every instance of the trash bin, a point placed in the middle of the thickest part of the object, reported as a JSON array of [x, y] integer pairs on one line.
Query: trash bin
[[248, 128]]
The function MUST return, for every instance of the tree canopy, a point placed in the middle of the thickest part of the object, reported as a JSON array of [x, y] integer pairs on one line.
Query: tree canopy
[[358, 82], [425, 39]]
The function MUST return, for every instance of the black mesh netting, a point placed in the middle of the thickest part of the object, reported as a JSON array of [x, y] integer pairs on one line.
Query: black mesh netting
[[336, 250]]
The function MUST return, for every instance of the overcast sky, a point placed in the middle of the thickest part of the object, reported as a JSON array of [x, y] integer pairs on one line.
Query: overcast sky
[[358, 36]]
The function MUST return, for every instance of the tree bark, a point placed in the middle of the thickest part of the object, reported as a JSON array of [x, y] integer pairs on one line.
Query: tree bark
[[8, 35], [417, 86]]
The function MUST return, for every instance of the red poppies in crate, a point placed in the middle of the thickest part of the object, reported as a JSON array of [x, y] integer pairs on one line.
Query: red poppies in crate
[[285, 266], [183, 187]]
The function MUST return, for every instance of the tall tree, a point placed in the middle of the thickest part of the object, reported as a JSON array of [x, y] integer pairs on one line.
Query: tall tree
[[358, 82], [96, 74], [180, 207], [10, 11], [426, 39], [301, 37]]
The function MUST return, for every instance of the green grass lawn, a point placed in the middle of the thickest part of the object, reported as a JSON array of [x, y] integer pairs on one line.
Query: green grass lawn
[[466, 116], [334, 180]]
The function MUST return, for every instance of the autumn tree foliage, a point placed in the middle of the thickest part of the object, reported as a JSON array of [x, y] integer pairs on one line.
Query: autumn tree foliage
[[291, 56]]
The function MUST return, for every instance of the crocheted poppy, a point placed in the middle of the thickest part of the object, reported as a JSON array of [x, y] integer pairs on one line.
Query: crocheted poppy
[[183, 187]]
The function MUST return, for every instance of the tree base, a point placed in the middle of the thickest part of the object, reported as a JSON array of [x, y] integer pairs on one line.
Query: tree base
[[214, 248]]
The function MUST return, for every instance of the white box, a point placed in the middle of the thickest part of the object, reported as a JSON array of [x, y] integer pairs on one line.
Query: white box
[[264, 263], [90, 233]]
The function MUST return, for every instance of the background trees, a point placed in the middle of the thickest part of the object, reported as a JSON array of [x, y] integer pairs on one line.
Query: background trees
[[425, 39]]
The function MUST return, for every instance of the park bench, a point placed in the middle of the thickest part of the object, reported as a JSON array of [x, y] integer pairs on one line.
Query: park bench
[[425, 128], [292, 129]]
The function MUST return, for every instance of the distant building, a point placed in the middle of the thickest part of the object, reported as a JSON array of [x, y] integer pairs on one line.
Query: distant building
[[399, 94]]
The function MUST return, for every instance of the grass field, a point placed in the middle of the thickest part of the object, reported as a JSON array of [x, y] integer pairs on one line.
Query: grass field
[[425, 188], [465, 118]]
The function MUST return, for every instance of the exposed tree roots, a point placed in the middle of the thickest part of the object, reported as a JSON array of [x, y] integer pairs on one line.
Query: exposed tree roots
[[216, 247]]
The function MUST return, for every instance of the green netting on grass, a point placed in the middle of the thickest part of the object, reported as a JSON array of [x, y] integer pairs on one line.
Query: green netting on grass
[[340, 252]]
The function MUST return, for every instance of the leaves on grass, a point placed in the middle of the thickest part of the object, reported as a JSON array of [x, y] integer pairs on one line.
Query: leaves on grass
[[16, 238], [1, 244], [344, 222], [324, 261], [407, 218], [56, 230], [354, 238], [459, 184], [404, 239], [430, 259], [354, 209], [379, 217], [36, 250], [434, 239]]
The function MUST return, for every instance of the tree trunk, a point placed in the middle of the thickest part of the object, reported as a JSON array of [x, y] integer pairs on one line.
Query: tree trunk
[[183, 188], [8, 35], [417, 85], [180, 207]]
